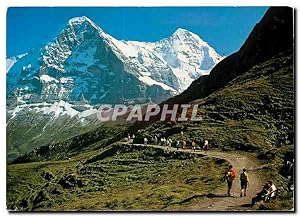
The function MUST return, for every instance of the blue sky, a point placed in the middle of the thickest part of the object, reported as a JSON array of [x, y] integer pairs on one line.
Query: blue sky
[[224, 28]]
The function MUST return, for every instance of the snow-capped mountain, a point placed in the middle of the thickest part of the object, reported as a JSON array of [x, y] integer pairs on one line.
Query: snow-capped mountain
[[84, 62], [53, 92]]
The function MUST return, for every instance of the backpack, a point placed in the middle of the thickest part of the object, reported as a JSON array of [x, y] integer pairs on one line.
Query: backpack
[[244, 177], [230, 175]]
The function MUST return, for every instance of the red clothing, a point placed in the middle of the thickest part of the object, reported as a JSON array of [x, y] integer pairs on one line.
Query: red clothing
[[231, 173]]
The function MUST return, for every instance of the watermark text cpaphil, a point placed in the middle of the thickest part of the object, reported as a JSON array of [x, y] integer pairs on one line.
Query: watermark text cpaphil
[[174, 112]]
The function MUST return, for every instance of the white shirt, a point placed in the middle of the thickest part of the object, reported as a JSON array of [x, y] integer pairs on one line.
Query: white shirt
[[273, 190]]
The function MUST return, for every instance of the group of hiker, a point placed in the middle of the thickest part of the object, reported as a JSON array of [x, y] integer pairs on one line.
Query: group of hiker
[[168, 142], [130, 137], [268, 192], [230, 176]]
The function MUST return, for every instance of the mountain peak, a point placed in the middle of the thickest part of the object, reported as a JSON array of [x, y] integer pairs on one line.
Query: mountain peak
[[186, 34], [181, 31], [78, 21]]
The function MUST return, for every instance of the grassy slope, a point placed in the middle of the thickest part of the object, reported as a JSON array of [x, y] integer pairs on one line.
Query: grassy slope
[[118, 177], [68, 146], [24, 133]]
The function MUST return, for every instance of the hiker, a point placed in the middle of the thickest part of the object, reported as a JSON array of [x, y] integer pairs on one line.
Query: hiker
[[133, 136], [244, 182], [194, 145], [161, 141], [145, 141], [268, 192], [290, 167], [167, 143], [128, 137], [205, 146], [272, 191], [261, 195], [229, 176], [164, 141], [177, 145], [183, 144], [155, 140]]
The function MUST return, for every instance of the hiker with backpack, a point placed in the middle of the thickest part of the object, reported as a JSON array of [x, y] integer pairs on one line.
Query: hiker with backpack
[[244, 182], [205, 146], [229, 177]]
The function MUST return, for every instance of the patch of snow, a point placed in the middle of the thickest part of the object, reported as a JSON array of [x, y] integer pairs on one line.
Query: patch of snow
[[65, 80], [47, 78], [56, 109], [87, 113], [27, 67], [104, 95], [12, 60], [150, 82]]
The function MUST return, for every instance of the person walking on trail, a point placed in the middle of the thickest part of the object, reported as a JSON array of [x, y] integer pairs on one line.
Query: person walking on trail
[[164, 141], [155, 140], [230, 176], [244, 182], [177, 145], [205, 146], [145, 141], [167, 144], [193, 145], [161, 141]]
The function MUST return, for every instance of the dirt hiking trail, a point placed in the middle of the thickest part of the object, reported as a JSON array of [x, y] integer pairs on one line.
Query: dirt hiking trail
[[218, 200]]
